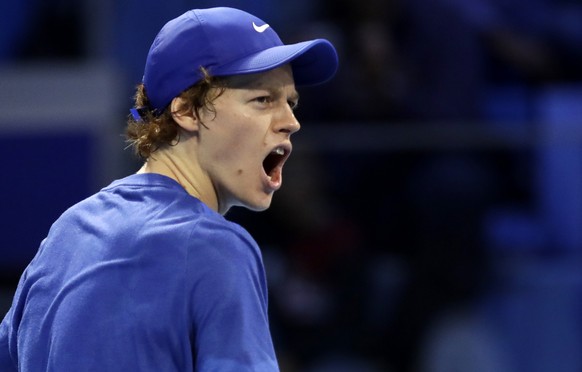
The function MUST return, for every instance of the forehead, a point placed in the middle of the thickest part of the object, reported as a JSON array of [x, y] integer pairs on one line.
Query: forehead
[[276, 79]]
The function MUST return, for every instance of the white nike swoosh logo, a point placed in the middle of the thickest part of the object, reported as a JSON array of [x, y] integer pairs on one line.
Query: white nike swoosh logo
[[260, 29]]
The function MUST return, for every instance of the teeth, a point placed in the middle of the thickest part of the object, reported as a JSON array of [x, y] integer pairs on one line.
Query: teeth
[[279, 151]]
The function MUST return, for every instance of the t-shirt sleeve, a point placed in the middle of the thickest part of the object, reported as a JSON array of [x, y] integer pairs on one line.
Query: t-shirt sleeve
[[6, 362], [229, 303]]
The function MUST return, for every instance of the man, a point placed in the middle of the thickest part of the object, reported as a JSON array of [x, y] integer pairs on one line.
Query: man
[[147, 275]]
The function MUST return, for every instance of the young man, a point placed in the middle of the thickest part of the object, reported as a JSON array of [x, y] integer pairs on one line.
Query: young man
[[147, 275]]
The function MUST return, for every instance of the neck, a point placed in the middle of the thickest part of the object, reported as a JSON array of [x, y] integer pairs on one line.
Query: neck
[[177, 163]]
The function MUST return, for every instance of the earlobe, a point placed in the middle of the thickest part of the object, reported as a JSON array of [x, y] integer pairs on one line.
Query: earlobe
[[185, 118]]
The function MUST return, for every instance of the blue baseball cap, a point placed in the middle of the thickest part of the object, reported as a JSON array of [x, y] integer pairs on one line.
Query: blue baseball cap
[[227, 41]]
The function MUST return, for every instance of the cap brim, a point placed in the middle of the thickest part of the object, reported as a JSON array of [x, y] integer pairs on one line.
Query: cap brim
[[313, 62]]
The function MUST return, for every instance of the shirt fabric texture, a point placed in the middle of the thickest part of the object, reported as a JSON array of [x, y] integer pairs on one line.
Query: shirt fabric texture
[[141, 277]]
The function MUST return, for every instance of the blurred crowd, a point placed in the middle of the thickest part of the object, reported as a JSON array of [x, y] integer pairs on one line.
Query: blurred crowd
[[427, 259]]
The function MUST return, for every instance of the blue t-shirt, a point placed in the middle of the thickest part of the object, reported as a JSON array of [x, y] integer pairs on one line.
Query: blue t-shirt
[[141, 277]]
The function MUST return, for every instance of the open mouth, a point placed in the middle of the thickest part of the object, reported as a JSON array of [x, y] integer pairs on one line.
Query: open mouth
[[274, 161]]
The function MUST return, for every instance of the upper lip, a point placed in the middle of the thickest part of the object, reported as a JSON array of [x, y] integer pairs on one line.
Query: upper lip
[[286, 146]]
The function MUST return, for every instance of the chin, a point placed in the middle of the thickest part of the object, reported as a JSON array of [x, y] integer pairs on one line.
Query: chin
[[258, 208], [259, 205]]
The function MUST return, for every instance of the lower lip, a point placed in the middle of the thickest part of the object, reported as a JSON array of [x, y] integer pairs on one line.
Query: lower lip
[[271, 185]]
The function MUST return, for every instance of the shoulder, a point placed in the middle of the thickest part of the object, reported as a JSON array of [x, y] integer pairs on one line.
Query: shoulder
[[226, 242], [221, 231], [224, 253]]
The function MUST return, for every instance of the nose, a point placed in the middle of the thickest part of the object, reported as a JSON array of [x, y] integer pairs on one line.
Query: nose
[[286, 122]]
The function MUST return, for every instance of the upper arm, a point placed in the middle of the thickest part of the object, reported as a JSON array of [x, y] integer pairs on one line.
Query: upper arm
[[6, 361], [229, 304]]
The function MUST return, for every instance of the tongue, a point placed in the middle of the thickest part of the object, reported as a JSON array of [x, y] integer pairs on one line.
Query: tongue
[[270, 163], [275, 177]]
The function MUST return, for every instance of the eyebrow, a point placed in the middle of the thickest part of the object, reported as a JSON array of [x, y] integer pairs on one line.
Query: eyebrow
[[252, 81], [294, 96], [244, 81]]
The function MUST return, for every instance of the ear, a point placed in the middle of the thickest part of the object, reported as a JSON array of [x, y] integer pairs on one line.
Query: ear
[[185, 119]]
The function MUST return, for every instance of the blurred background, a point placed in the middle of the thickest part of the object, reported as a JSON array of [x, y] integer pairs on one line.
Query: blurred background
[[431, 215]]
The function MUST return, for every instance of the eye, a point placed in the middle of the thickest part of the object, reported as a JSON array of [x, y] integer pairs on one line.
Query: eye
[[293, 104], [263, 99]]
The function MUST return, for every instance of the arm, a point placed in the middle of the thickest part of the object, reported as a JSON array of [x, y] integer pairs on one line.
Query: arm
[[6, 362], [229, 304]]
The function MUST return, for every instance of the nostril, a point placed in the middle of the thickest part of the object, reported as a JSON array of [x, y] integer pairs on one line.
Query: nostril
[[289, 129], [287, 124]]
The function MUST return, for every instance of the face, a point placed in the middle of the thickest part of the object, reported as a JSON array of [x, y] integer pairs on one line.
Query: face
[[245, 142]]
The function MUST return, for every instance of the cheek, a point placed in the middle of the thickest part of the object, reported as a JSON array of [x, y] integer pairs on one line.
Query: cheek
[[236, 146]]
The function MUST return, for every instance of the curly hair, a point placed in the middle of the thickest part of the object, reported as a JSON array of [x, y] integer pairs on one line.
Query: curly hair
[[154, 130]]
